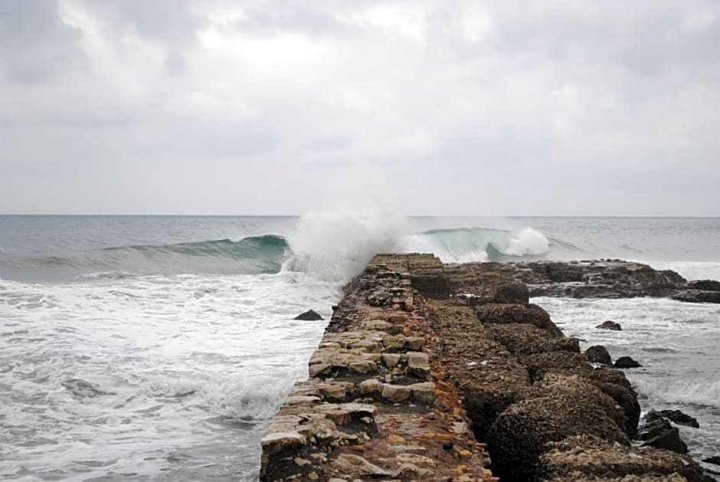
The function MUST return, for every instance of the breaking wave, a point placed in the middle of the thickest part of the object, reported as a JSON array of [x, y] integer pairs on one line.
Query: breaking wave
[[462, 245], [692, 392], [332, 246], [251, 255]]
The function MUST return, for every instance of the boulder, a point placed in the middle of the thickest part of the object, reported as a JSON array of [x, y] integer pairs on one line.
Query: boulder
[[524, 339], [697, 296], [511, 292], [586, 458], [504, 313], [627, 399], [704, 285], [310, 315], [610, 325], [556, 408], [626, 362], [659, 433], [678, 417], [555, 361], [598, 354], [668, 439]]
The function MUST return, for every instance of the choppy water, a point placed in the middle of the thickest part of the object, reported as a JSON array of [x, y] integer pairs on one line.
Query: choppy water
[[157, 348], [675, 342]]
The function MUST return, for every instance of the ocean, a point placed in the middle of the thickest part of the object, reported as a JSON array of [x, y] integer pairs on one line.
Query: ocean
[[158, 347]]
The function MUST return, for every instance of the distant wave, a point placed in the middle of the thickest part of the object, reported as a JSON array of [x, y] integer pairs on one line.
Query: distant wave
[[333, 250], [251, 255], [480, 244], [267, 246]]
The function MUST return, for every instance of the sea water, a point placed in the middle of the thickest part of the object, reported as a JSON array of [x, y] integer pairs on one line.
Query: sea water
[[158, 347]]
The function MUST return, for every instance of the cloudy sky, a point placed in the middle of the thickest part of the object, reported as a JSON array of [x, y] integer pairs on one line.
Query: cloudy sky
[[460, 107]]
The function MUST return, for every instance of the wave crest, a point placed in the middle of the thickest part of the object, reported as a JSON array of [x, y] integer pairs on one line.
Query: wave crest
[[461, 245], [331, 245]]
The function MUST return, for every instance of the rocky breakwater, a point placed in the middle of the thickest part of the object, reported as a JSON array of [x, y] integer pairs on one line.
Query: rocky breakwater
[[443, 372], [612, 279], [376, 405]]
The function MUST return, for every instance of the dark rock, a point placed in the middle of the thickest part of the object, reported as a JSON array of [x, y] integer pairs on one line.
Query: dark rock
[[599, 279], [627, 399], [539, 364], [715, 460], [556, 408], [626, 362], [658, 432], [516, 313], [697, 296], [679, 418], [487, 375], [524, 339], [584, 458], [511, 293], [598, 354], [431, 284], [704, 285], [83, 388], [610, 325], [310, 315], [668, 440]]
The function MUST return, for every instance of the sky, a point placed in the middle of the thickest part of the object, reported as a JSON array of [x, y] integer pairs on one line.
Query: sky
[[452, 107]]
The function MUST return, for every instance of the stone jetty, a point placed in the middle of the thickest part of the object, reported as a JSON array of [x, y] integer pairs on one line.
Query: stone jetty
[[444, 372]]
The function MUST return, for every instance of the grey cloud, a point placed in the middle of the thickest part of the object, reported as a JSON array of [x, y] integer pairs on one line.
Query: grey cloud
[[35, 43], [583, 107]]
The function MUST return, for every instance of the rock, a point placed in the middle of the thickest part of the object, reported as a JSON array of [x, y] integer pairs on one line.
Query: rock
[[415, 343], [715, 460], [668, 440], [394, 343], [423, 392], [83, 388], [697, 296], [524, 339], [598, 354], [391, 360], [704, 285], [555, 408], [609, 325], [598, 279], [555, 361], [371, 387], [626, 362], [418, 364], [512, 292], [660, 434], [309, 315], [396, 393], [279, 450], [378, 325], [356, 466], [627, 399], [496, 313], [585, 458], [679, 418]]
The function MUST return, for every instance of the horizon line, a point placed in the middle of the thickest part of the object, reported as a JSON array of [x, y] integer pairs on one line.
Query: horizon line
[[669, 216]]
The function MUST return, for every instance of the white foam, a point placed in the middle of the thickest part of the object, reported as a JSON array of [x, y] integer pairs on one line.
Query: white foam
[[673, 391], [337, 243], [169, 354], [527, 241]]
